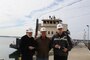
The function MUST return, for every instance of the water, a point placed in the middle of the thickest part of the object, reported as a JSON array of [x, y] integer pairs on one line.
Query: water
[[6, 52]]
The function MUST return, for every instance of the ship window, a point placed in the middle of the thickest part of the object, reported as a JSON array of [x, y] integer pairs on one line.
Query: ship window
[[50, 22], [52, 32], [54, 22], [44, 22], [48, 32]]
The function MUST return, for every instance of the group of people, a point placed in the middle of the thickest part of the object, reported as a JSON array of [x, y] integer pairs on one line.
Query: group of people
[[60, 42]]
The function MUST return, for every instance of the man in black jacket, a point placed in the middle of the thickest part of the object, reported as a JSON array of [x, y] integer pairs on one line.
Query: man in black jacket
[[27, 46], [61, 43]]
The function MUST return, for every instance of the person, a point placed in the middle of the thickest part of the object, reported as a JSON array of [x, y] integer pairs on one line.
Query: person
[[27, 45], [43, 45], [61, 43]]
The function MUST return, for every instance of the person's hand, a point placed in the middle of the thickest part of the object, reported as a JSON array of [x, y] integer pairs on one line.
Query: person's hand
[[65, 49], [57, 46], [31, 47]]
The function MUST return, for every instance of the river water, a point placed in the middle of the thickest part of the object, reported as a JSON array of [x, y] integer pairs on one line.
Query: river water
[[7, 53]]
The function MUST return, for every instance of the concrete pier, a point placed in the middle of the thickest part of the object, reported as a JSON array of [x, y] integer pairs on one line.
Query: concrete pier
[[79, 52]]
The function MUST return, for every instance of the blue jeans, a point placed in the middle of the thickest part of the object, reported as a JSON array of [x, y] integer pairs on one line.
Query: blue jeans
[[38, 58]]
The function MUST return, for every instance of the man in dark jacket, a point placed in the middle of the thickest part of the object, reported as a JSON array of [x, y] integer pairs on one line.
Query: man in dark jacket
[[61, 43], [27, 46], [43, 45]]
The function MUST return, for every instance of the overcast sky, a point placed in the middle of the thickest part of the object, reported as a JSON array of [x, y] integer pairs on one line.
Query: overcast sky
[[18, 15]]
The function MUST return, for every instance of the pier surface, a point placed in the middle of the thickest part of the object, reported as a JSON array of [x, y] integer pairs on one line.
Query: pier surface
[[79, 52]]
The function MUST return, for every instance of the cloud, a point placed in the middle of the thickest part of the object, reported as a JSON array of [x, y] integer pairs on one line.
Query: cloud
[[54, 6], [50, 7], [18, 10], [11, 11]]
